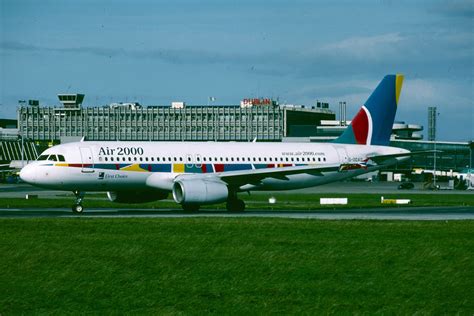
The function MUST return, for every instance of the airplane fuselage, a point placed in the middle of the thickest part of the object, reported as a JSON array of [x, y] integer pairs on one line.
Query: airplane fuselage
[[109, 166]]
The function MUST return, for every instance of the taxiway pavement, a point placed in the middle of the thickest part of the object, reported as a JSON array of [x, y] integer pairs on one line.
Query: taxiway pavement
[[401, 213]]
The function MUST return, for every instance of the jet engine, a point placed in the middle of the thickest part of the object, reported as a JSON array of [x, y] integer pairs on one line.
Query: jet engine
[[199, 192], [135, 197]]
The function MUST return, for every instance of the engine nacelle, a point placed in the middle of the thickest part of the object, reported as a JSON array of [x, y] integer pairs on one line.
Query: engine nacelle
[[199, 192], [135, 197]]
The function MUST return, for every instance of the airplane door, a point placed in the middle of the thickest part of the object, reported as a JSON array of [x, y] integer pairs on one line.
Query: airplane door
[[87, 161], [342, 153]]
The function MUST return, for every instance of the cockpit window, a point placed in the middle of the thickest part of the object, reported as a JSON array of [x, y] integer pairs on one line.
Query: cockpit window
[[61, 158], [52, 158], [42, 157]]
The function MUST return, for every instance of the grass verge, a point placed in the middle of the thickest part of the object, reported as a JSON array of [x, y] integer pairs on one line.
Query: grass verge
[[235, 266]]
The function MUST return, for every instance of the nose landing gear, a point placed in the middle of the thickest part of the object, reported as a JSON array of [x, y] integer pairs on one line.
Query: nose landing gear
[[77, 206]]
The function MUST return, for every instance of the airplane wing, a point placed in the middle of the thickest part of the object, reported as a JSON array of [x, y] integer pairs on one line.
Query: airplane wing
[[254, 176]]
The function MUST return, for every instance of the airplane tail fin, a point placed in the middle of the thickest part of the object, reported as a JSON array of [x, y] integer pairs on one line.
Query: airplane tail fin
[[372, 125]]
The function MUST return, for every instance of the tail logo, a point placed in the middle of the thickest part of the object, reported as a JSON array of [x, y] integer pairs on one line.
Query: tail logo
[[362, 126]]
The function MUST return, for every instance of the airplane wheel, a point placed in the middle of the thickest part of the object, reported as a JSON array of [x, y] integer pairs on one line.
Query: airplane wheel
[[191, 207], [235, 206], [77, 208]]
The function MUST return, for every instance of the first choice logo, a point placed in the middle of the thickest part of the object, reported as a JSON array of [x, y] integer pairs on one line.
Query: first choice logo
[[121, 151]]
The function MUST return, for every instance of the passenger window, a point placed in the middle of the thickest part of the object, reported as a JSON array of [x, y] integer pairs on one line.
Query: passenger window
[[232, 159], [238, 159], [270, 158], [129, 159], [135, 158], [141, 159], [175, 159], [146, 158], [286, 159], [105, 158]]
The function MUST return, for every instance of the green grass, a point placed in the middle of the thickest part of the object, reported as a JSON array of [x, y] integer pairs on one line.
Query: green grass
[[235, 266], [259, 201]]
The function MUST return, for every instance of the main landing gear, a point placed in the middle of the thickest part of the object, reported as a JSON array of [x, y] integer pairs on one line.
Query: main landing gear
[[77, 206], [235, 205]]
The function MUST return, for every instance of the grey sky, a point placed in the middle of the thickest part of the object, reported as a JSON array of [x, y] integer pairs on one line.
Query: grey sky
[[155, 52]]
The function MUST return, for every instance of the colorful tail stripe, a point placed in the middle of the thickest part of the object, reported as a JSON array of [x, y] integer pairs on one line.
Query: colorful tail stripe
[[372, 125]]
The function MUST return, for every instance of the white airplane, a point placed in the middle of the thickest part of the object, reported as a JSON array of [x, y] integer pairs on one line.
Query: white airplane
[[200, 173]]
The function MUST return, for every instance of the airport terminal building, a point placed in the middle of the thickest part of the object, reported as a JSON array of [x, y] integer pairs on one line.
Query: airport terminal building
[[261, 119]]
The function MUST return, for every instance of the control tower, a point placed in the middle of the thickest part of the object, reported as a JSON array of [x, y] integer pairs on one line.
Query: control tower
[[70, 100]]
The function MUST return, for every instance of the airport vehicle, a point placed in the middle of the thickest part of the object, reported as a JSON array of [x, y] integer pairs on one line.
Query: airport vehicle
[[406, 186], [200, 173]]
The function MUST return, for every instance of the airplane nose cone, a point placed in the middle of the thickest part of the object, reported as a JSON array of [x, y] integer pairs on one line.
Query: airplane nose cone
[[27, 174]]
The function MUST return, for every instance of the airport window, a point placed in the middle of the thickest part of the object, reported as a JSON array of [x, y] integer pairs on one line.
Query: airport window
[[61, 158]]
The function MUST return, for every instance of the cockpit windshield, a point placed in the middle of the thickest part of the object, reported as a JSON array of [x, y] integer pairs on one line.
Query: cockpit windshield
[[51, 157]]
